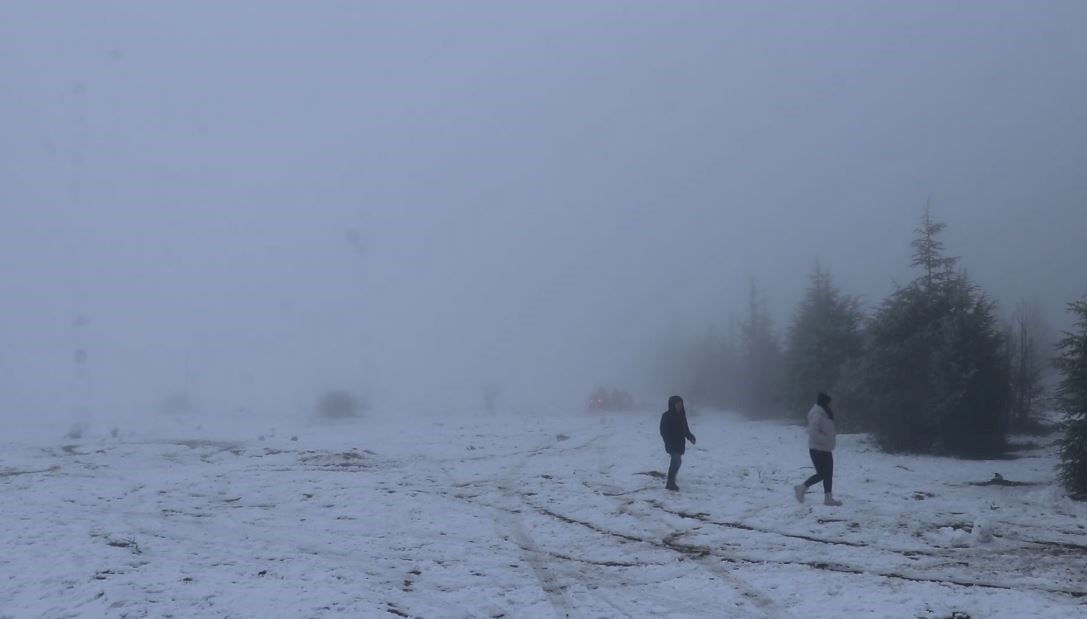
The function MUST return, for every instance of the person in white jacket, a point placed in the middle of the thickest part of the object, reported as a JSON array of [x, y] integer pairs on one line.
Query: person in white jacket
[[822, 438]]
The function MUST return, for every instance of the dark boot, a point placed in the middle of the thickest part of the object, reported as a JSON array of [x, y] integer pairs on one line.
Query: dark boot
[[673, 468]]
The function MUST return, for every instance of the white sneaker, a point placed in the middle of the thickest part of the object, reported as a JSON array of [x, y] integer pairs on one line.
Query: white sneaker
[[829, 499], [799, 490]]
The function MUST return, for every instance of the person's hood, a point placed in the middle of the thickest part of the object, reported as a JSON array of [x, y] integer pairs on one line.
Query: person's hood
[[672, 401]]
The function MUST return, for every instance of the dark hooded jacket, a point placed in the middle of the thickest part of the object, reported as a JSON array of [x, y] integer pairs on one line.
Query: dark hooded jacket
[[674, 428]]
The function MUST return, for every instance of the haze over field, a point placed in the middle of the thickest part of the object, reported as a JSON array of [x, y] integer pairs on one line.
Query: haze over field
[[266, 200]]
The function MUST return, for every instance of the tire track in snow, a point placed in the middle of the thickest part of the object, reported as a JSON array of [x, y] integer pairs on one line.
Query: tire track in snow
[[530, 550], [762, 603], [534, 552], [708, 553], [857, 570], [543, 562], [702, 557], [705, 553]]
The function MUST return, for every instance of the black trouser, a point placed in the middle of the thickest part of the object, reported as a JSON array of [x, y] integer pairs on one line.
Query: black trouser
[[824, 470], [673, 468]]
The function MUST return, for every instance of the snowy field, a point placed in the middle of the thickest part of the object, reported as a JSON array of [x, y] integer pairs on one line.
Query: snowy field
[[521, 516]]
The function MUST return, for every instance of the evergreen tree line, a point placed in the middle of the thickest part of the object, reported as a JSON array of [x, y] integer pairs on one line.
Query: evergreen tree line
[[931, 369]]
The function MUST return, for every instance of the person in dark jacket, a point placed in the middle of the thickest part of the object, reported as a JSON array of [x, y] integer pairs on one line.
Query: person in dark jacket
[[676, 433]]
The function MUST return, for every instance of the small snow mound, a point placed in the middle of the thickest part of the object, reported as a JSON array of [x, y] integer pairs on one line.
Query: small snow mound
[[956, 538], [75, 432], [982, 532], [333, 461]]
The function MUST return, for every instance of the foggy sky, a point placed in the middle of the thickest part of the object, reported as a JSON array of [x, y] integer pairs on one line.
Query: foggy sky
[[415, 200]]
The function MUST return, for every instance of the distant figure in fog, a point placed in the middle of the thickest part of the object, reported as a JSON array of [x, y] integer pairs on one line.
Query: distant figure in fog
[[676, 433], [822, 438], [598, 402]]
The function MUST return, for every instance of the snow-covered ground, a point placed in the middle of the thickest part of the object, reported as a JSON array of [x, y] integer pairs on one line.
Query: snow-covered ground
[[521, 516]]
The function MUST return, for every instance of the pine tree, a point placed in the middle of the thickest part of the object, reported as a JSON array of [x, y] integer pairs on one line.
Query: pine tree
[[824, 337], [935, 372], [969, 373], [895, 374], [715, 372], [761, 359], [1072, 402], [1026, 336], [928, 251]]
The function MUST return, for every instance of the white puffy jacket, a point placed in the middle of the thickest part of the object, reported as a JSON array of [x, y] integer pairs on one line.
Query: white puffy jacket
[[821, 432]]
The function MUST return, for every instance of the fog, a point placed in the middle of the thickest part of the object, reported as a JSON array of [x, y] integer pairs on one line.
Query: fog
[[259, 201]]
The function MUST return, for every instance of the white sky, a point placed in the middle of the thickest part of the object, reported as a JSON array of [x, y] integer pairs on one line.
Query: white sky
[[540, 191]]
